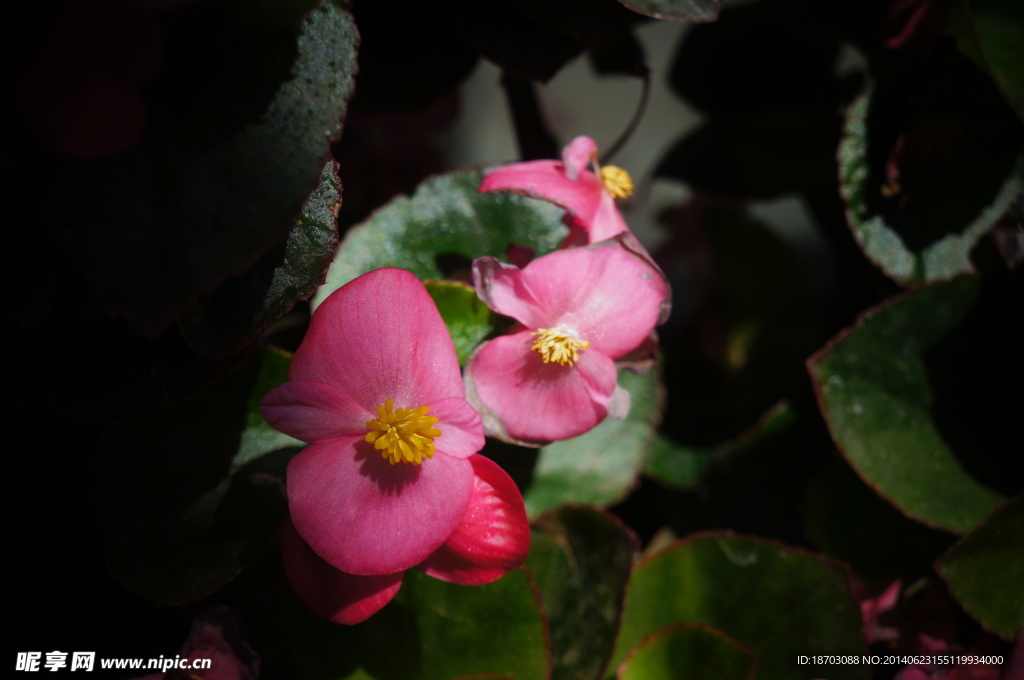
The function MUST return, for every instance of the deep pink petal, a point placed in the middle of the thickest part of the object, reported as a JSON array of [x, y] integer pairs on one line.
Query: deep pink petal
[[314, 411], [546, 180], [577, 154], [607, 294], [462, 433], [493, 537], [606, 220], [377, 337], [329, 592], [538, 402], [365, 516]]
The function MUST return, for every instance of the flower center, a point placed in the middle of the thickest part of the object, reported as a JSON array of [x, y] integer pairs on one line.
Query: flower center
[[617, 181], [405, 435], [556, 346]]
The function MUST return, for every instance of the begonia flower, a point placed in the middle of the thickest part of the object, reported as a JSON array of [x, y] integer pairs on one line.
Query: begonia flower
[[588, 196], [390, 479], [580, 309]]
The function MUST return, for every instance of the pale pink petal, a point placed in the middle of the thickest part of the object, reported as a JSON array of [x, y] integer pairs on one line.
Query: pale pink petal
[[314, 411], [462, 433], [501, 288], [377, 337], [365, 516], [577, 154], [607, 294], [493, 537], [329, 592], [538, 402]]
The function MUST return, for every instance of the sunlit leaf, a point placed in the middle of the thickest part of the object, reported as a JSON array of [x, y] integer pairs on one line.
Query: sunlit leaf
[[773, 600]]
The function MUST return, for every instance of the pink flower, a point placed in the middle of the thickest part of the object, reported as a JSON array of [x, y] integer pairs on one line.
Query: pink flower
[[580, 309], [390, 479], [588, 197]]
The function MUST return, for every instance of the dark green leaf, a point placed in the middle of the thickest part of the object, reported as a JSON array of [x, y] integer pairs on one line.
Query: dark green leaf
[[874, 393], [882, 544], [468, 319], [187, 497], [1000, 31], [581, 558], [238, 126], [680, 10], [985, 570], [921, 187], [234, 315], [600, 467], [446, 219], [771, 599], [686, 651], [462, 630]]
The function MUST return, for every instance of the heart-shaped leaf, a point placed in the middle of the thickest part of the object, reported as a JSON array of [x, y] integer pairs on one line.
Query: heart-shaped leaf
[[874, 393], [916, 213], [773, 600], [444, 225]]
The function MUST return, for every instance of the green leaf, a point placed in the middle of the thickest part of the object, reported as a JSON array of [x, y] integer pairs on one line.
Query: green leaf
[[922, 224], [686, 651], [581, 558], [679, 10], [467, 630], [873, 391], [600, 467], [1000, 30], [187, 497], [467, 317], [446, 217], [773, 600], [882, 545], [225, 321], [985, 570], [239, 122]]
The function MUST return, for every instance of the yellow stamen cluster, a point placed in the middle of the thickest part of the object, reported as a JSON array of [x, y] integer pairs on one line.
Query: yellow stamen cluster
[[406, 435], [557, 346], [617, 181]]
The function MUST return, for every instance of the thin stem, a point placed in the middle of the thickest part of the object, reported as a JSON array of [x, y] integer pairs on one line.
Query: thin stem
[[534, 139], [638, 114]]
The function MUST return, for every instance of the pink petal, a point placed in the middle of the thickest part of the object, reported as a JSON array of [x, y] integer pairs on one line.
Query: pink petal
[[462, 433], [608, 294], [314, 411], [493, 537], [585, 199], [538, 402], [365, 516], [328, 592], [501, 287], [577, 154], [378, 337]]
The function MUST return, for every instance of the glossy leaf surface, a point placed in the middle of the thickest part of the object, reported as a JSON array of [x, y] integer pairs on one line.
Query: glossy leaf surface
[[874, 393]]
